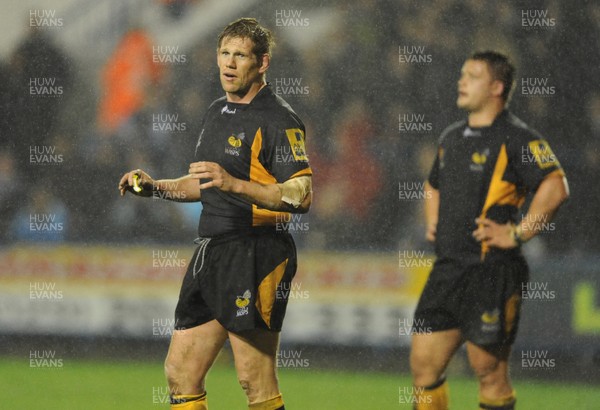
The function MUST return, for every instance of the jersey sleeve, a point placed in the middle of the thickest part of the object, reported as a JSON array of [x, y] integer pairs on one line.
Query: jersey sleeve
[[438, 163], [433, 178], [284, 151], [533, 159]]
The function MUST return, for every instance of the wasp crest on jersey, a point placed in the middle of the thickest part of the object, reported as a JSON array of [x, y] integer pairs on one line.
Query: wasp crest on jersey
[[235, 144], [296, 138], [478, 159]]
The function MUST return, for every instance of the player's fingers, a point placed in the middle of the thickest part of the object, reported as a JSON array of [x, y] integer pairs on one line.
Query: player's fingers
[[121, 186], [202, 175], [483, 221], [214, 182], [202, 165], [124, 183], [195, 169], [131, 174], [207, 185], [126, 179], [479, 234]]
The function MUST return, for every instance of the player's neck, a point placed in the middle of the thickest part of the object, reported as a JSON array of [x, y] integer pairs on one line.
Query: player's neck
[[248, 96], [485, 116]]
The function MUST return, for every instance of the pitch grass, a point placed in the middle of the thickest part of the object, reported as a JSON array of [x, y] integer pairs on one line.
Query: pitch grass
[[95, 385]]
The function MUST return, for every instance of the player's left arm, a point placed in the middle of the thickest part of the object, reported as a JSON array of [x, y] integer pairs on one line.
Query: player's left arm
[[551, 193], [293, 195]]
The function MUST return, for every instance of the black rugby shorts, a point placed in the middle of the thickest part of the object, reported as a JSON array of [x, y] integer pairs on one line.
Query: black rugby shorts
[[238, 280], [483, 300]]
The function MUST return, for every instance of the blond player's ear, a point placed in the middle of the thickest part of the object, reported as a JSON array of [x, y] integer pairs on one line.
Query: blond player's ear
[[265, 62]]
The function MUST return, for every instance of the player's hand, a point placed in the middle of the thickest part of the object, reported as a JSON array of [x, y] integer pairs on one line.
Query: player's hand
[[215, 174], [144, 183], [430, 232], [494, 234]]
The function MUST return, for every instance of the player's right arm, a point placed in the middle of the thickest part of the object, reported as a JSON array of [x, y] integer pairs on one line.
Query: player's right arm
[[432, 208], [183, 189]]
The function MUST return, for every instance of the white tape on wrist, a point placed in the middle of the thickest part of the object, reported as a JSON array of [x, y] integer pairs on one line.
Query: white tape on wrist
[[295, 190]]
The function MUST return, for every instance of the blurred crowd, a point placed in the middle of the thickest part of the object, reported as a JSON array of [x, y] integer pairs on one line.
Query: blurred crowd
[[63, 153]]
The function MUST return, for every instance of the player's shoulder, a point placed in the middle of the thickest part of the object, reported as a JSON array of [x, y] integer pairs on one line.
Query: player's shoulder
[[281, 113], [217, 105], [452, 131], [518, 130]]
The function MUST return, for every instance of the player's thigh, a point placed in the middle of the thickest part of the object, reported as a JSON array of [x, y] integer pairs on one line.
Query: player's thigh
[[489, 363], [431, 352], [255, 353], [192, 351]]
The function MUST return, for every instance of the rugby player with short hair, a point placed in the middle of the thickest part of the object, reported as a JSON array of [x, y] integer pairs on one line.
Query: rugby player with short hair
[[485, 167], [243, 257]]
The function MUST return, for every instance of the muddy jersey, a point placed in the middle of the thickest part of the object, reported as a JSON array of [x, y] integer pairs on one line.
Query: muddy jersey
[[485, 172], [262, 142]]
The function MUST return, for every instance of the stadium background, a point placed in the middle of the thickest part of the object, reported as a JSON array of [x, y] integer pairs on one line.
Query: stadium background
[[88, 280]]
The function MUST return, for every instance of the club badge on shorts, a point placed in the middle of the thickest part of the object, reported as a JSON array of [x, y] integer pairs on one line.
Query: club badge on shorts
[[242, 303], [490, 321]]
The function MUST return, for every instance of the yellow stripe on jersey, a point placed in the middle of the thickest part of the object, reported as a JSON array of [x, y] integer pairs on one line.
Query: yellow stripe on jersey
[[259, 174], [500, 192], [302, 173]]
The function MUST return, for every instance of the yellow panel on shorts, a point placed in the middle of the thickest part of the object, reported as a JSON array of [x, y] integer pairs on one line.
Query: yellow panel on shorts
[[267, 290]]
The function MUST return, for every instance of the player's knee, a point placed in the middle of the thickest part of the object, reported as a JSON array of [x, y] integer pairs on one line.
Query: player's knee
[[487, 372], [172, 373], [423, 369], [182, 379]]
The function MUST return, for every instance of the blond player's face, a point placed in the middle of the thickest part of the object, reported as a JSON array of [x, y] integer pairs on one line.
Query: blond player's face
[[239, 67], [476, 87]]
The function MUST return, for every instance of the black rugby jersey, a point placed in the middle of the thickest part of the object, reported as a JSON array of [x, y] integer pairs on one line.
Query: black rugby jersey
[[263, 142], [485, 172]]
